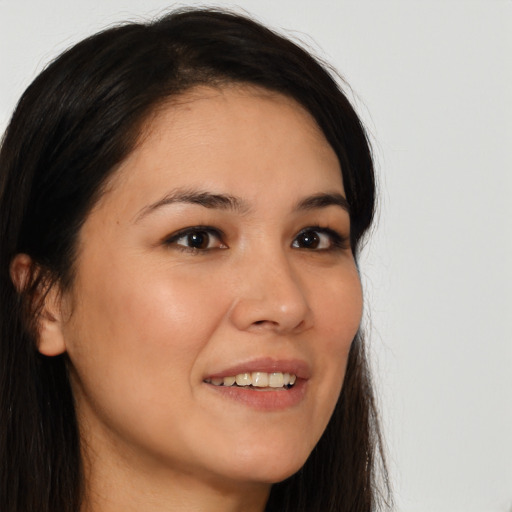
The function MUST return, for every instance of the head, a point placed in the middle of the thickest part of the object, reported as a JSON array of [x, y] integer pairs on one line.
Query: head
[[78, 138]]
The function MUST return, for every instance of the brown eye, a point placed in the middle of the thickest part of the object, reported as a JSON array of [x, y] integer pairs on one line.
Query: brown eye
[[320, 239], [308, 240], [196, 239]]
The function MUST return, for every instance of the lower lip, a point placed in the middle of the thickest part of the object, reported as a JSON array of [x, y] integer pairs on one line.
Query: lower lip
[[267, 400]]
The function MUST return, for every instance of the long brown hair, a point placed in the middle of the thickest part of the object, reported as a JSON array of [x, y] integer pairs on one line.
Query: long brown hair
[[74, 124]]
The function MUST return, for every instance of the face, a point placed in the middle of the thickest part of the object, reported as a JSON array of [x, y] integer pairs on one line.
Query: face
[[216, 295]]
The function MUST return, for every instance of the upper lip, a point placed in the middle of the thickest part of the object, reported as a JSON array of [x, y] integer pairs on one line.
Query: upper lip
[[297, 367]]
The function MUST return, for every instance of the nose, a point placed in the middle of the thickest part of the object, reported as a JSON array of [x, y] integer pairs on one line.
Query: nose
[[270, 296]]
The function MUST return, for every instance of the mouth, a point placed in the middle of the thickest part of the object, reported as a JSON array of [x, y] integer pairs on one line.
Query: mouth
[[263, 384], [257, 381]]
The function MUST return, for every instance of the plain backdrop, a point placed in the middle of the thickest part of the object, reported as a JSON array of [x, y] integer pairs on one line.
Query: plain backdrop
[[432, 80]]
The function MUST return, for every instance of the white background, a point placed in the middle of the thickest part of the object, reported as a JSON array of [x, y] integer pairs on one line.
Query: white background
[[433, 81]]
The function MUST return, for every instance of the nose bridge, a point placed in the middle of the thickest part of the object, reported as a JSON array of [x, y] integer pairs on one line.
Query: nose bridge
[[270, 294]]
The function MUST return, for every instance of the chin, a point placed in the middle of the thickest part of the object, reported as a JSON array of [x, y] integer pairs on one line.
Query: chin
[[269, 467], [279, 474]]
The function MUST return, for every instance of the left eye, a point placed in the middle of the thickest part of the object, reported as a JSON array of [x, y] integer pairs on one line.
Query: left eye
[[317, 239], [197, 239]]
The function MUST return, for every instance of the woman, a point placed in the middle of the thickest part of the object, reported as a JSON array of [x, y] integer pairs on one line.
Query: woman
[[182, 204]]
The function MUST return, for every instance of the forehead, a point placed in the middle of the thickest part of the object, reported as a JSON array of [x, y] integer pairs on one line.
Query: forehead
[[226, 137]]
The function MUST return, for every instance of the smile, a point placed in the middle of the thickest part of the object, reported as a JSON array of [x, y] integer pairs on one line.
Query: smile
[[261, 380]]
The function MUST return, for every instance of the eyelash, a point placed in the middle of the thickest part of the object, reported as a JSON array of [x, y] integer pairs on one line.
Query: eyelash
[[175, 237], [338, 242]]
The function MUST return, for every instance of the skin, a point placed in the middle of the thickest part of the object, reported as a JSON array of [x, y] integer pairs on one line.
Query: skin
[[148, 318]]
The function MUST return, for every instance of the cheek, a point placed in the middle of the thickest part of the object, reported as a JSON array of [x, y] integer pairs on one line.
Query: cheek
[[140, 333], [126, 307], [133, 345], [338, 317], [339, 309]]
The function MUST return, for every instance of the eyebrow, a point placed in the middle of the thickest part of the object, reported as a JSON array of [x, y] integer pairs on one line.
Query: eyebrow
[[201, 198], [323, 200], [237, 205]]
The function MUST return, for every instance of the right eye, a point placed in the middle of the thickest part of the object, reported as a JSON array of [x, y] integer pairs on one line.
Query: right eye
[[196, 239]]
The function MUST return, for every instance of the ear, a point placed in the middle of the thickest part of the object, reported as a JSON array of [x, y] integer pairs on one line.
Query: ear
[[45, 302]]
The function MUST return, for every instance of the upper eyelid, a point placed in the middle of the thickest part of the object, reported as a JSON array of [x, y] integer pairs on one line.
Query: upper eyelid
[[185, 231], [324, 229], [318, 228]]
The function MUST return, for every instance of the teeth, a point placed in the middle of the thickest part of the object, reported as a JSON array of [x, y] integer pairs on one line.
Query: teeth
[[260, 379], [276, 380], [243, 379], [228, 381], [256, 379]]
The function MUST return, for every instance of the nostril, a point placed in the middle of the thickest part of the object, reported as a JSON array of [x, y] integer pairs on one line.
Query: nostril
[[264, 322]]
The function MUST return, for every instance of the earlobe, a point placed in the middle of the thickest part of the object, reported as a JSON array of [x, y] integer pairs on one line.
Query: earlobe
[[44, 302]]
